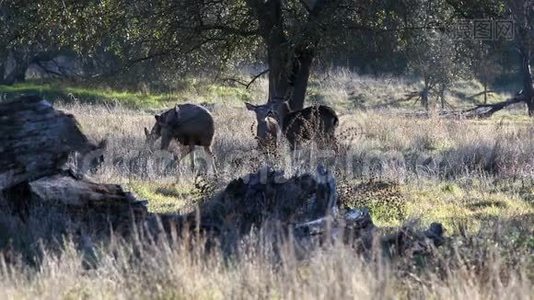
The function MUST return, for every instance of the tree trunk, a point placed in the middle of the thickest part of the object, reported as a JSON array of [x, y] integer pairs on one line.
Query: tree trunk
[[442, 95], [271, 25], [424, 95], [18, 74], [289, 66], [526, 74], [301, 73], [278, 79], [2, 69]]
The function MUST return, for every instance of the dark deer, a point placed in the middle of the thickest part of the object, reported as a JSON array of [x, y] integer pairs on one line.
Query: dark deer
[[189, 124], [317, 123]]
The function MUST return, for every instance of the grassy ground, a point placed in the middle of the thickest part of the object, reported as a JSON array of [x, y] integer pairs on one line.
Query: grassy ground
[[339, 88], [442, 169], [65, 92], [476, 177]]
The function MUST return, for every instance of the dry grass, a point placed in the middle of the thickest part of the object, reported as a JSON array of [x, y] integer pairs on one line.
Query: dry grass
[[476, 177], [470, 160], [347, 90], [173, 269]]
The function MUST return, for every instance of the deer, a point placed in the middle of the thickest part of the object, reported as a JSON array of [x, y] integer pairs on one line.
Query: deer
[[190, 125], [317, 123], [268, 129]]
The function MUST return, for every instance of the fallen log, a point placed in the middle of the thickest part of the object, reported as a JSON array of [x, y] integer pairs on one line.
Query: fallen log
[[36, 140], [267, 196], [35, 143], [483, 111], [95, 204]]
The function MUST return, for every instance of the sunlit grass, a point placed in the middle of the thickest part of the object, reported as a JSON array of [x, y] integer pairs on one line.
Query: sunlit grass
[[84, 94], [165, 197], [469, 205]]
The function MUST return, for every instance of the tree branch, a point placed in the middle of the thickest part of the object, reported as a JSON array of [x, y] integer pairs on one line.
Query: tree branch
[[224, 28], [493, 108], [247, 84], [256, 77]]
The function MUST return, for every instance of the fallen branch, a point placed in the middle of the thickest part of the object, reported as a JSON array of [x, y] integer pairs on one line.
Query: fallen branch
[[36, 142], [493, 108]]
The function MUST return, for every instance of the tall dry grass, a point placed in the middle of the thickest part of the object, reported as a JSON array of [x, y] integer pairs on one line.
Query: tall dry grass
[[165, 268], [487, 159], [375, 144]]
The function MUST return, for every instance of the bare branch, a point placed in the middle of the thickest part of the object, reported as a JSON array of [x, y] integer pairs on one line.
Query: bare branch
[[256, 77], [247, 84], [493, 108]]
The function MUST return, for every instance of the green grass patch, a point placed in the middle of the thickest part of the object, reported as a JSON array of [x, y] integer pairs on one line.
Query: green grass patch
[[201, 92], [165, 197], [71, 93], [470, 206]]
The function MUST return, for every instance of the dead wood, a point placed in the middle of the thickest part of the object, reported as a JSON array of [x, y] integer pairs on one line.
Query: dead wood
[[36, 140], [35, 143], [487, 110]]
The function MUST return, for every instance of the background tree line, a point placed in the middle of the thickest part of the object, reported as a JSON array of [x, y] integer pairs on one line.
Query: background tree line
[[148, 40]]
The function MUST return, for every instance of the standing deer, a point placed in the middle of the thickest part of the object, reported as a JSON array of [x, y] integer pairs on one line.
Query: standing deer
[[189, 124], [268, 130], [317, 123]]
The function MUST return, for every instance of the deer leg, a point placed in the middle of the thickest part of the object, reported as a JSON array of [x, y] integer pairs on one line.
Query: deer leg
[[192, 151], [183, 152], [334, 144], [212, 158]]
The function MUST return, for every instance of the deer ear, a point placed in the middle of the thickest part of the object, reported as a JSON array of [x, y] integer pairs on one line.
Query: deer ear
[[147, 133], [250, 106], [160, 120]]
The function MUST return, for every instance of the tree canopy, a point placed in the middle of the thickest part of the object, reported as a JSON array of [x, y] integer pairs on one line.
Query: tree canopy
[[287, 37]]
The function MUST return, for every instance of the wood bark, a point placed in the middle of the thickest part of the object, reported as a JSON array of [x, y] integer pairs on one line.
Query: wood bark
[[302, 65], [289, 65], [487, 110], [526, 74], [18, 74], [36, 140], [98, 204], [305, 206], [35, 143], [268, 197]]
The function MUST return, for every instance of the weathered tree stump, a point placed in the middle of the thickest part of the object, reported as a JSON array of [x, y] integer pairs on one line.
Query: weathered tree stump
[[268, 196], [35, 143], [305, 207], [36, 140]]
